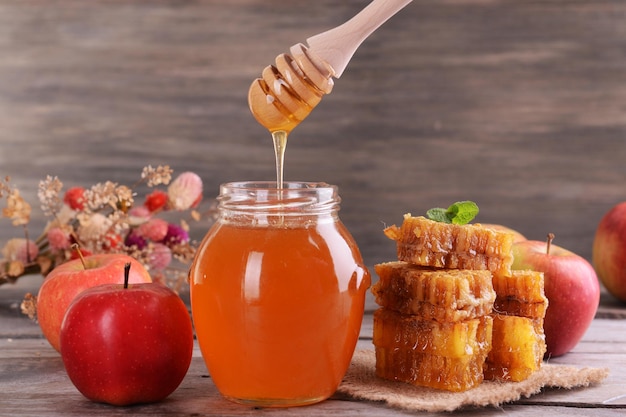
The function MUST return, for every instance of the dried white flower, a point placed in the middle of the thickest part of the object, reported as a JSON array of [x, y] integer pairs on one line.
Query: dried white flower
[[155, 176], [100, 195], [48, 194], [93, 227], [17, 208]]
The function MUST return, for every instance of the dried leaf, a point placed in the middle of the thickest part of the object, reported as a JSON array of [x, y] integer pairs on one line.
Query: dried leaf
[[45, 264], [29, 306], [15, 268]]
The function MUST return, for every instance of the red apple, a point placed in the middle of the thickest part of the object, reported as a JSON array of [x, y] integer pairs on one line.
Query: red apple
[[609, 251], [68, 280], [518, 237], [572, 289], [127, 345]]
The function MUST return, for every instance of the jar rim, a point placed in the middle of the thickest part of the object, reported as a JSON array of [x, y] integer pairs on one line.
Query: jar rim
[[295, 197], [271, 185]]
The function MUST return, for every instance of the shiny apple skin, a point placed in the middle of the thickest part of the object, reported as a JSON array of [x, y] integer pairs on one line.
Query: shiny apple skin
[[71, 278], [572, 289], [124, 346], [609, 251]]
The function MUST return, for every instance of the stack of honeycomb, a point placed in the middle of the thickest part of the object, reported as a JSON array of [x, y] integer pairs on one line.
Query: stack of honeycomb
[[436, 325]]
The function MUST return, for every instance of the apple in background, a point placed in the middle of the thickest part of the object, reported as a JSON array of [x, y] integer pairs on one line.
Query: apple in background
[[609, 251], [68, 280], [572, 289], [518, 237], [127, 344]]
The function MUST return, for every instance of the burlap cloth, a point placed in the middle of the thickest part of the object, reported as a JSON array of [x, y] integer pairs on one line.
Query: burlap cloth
[[362, 383]]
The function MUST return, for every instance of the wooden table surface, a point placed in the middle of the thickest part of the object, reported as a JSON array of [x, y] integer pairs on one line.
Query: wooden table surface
[[519, 106], [33, 381]]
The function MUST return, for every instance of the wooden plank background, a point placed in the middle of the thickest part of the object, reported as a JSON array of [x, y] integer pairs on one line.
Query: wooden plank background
[[519, 106]]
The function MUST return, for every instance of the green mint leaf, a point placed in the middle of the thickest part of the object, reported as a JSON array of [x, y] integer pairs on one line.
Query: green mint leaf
[[438, 214], [461, 212]]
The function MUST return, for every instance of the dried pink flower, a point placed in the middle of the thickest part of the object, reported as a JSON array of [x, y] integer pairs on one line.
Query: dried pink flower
[[175, 234], [185, 191], [58, 239], [160, 257], [134, 240], [20, 249], [138, 215], [154, 229], [9, 250]]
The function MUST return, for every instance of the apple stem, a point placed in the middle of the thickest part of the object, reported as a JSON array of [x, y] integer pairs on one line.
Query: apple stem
[[549, 242], [76, 247], [126, 274]]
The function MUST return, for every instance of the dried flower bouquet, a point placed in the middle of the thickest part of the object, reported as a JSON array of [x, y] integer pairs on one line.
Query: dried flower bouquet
[[105, 218]]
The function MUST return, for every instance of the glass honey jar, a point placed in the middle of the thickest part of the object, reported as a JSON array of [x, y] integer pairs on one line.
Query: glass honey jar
[[277, 294]]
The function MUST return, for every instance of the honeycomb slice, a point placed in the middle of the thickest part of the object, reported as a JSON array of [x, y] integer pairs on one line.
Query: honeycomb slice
[[521, 294], [434, 294], [434, 371], [429, 243], [459, 339], [517, 349]]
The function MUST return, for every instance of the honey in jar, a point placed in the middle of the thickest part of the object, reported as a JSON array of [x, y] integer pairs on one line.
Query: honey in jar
[[277, 293]]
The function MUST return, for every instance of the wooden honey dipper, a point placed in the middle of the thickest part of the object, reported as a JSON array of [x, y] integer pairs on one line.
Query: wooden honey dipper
[[288, 91]]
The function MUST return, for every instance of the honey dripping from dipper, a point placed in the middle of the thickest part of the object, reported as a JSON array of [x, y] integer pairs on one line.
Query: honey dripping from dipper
[[285, 95]]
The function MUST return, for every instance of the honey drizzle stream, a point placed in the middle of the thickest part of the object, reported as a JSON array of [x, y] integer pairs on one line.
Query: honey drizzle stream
[[280, 143]]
